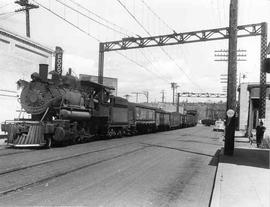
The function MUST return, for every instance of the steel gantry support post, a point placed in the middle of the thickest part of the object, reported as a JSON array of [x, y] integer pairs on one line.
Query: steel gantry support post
[[262, 73], [101, 63], [178, 104], [231, 85]]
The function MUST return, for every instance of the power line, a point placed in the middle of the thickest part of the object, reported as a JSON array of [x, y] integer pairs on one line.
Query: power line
[[150, 62], [105, 26], [98, 40], [165, 52], [169, 27], [113, 30], [7, 16], [127, 10], [59, 16], [6, 13], [172, 59], [140, 65], [5, 5], [94, 20], [155, 14], [98, 16], [224, 11], [219, 13]]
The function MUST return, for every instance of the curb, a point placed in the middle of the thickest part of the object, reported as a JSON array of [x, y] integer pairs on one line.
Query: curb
[[213, 194]]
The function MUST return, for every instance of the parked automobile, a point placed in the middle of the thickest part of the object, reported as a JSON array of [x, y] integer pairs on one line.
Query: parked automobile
[[208, 122], [219, 126]]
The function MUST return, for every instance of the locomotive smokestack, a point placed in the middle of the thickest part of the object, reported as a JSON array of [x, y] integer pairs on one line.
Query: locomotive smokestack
[[43, 71]]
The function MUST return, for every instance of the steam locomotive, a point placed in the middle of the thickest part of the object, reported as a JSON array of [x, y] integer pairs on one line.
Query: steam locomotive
[[66, 109]]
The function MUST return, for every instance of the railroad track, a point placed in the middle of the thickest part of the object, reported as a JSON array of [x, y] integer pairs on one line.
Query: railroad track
[[26, 175], [57, 159], [53, 168], [8, 152]]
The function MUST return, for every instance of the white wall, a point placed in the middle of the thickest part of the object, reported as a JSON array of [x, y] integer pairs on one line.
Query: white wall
[[244, 107], [19, 58], [266, 140]]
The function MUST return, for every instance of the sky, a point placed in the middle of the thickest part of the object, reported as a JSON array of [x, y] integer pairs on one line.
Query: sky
[[201, 72]]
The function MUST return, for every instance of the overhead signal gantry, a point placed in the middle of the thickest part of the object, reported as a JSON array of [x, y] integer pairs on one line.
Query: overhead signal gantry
[[259, 29]]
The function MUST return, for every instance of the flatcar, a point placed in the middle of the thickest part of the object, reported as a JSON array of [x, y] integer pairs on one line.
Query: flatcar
[[65, 109]]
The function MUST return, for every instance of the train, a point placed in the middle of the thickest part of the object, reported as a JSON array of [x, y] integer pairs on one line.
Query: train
[[66, 109]]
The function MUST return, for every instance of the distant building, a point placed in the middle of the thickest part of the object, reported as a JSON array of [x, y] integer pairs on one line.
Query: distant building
[[20, 56], [110, 82], [249, 96]]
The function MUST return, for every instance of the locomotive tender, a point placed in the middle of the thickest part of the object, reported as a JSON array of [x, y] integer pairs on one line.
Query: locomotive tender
[[65, 109]]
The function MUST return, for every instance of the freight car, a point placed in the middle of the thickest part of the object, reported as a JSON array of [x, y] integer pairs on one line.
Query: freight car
[[192, 118], [65, 109], [177, 120]]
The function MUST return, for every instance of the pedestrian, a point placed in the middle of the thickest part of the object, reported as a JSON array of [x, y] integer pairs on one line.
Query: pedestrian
[[259, 133]]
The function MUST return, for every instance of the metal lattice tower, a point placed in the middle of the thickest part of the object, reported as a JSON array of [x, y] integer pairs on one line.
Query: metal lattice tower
[[262, 73]]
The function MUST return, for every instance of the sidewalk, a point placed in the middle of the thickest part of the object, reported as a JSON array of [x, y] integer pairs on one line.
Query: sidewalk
[[244, 178]]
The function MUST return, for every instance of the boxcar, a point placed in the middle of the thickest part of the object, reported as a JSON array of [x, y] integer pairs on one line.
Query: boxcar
[[192, 118], [145, 119], [162, 120], [176, 120]]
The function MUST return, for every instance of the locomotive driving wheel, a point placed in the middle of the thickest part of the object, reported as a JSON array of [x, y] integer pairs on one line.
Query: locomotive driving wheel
[[111, 133], [119, 133]]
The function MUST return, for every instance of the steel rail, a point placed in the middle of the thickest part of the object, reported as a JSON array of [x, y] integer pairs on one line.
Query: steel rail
[[59, 174]]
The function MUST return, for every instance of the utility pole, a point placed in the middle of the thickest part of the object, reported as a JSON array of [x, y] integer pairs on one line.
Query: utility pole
[[162, 97], [174, 86], [231, 85], [146, 93], [100, 63], [224, 79], [26, 6], [137, 94], [178, 104]]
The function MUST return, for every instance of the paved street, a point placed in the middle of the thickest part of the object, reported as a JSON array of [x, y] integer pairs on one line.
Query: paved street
[[172, 168]]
